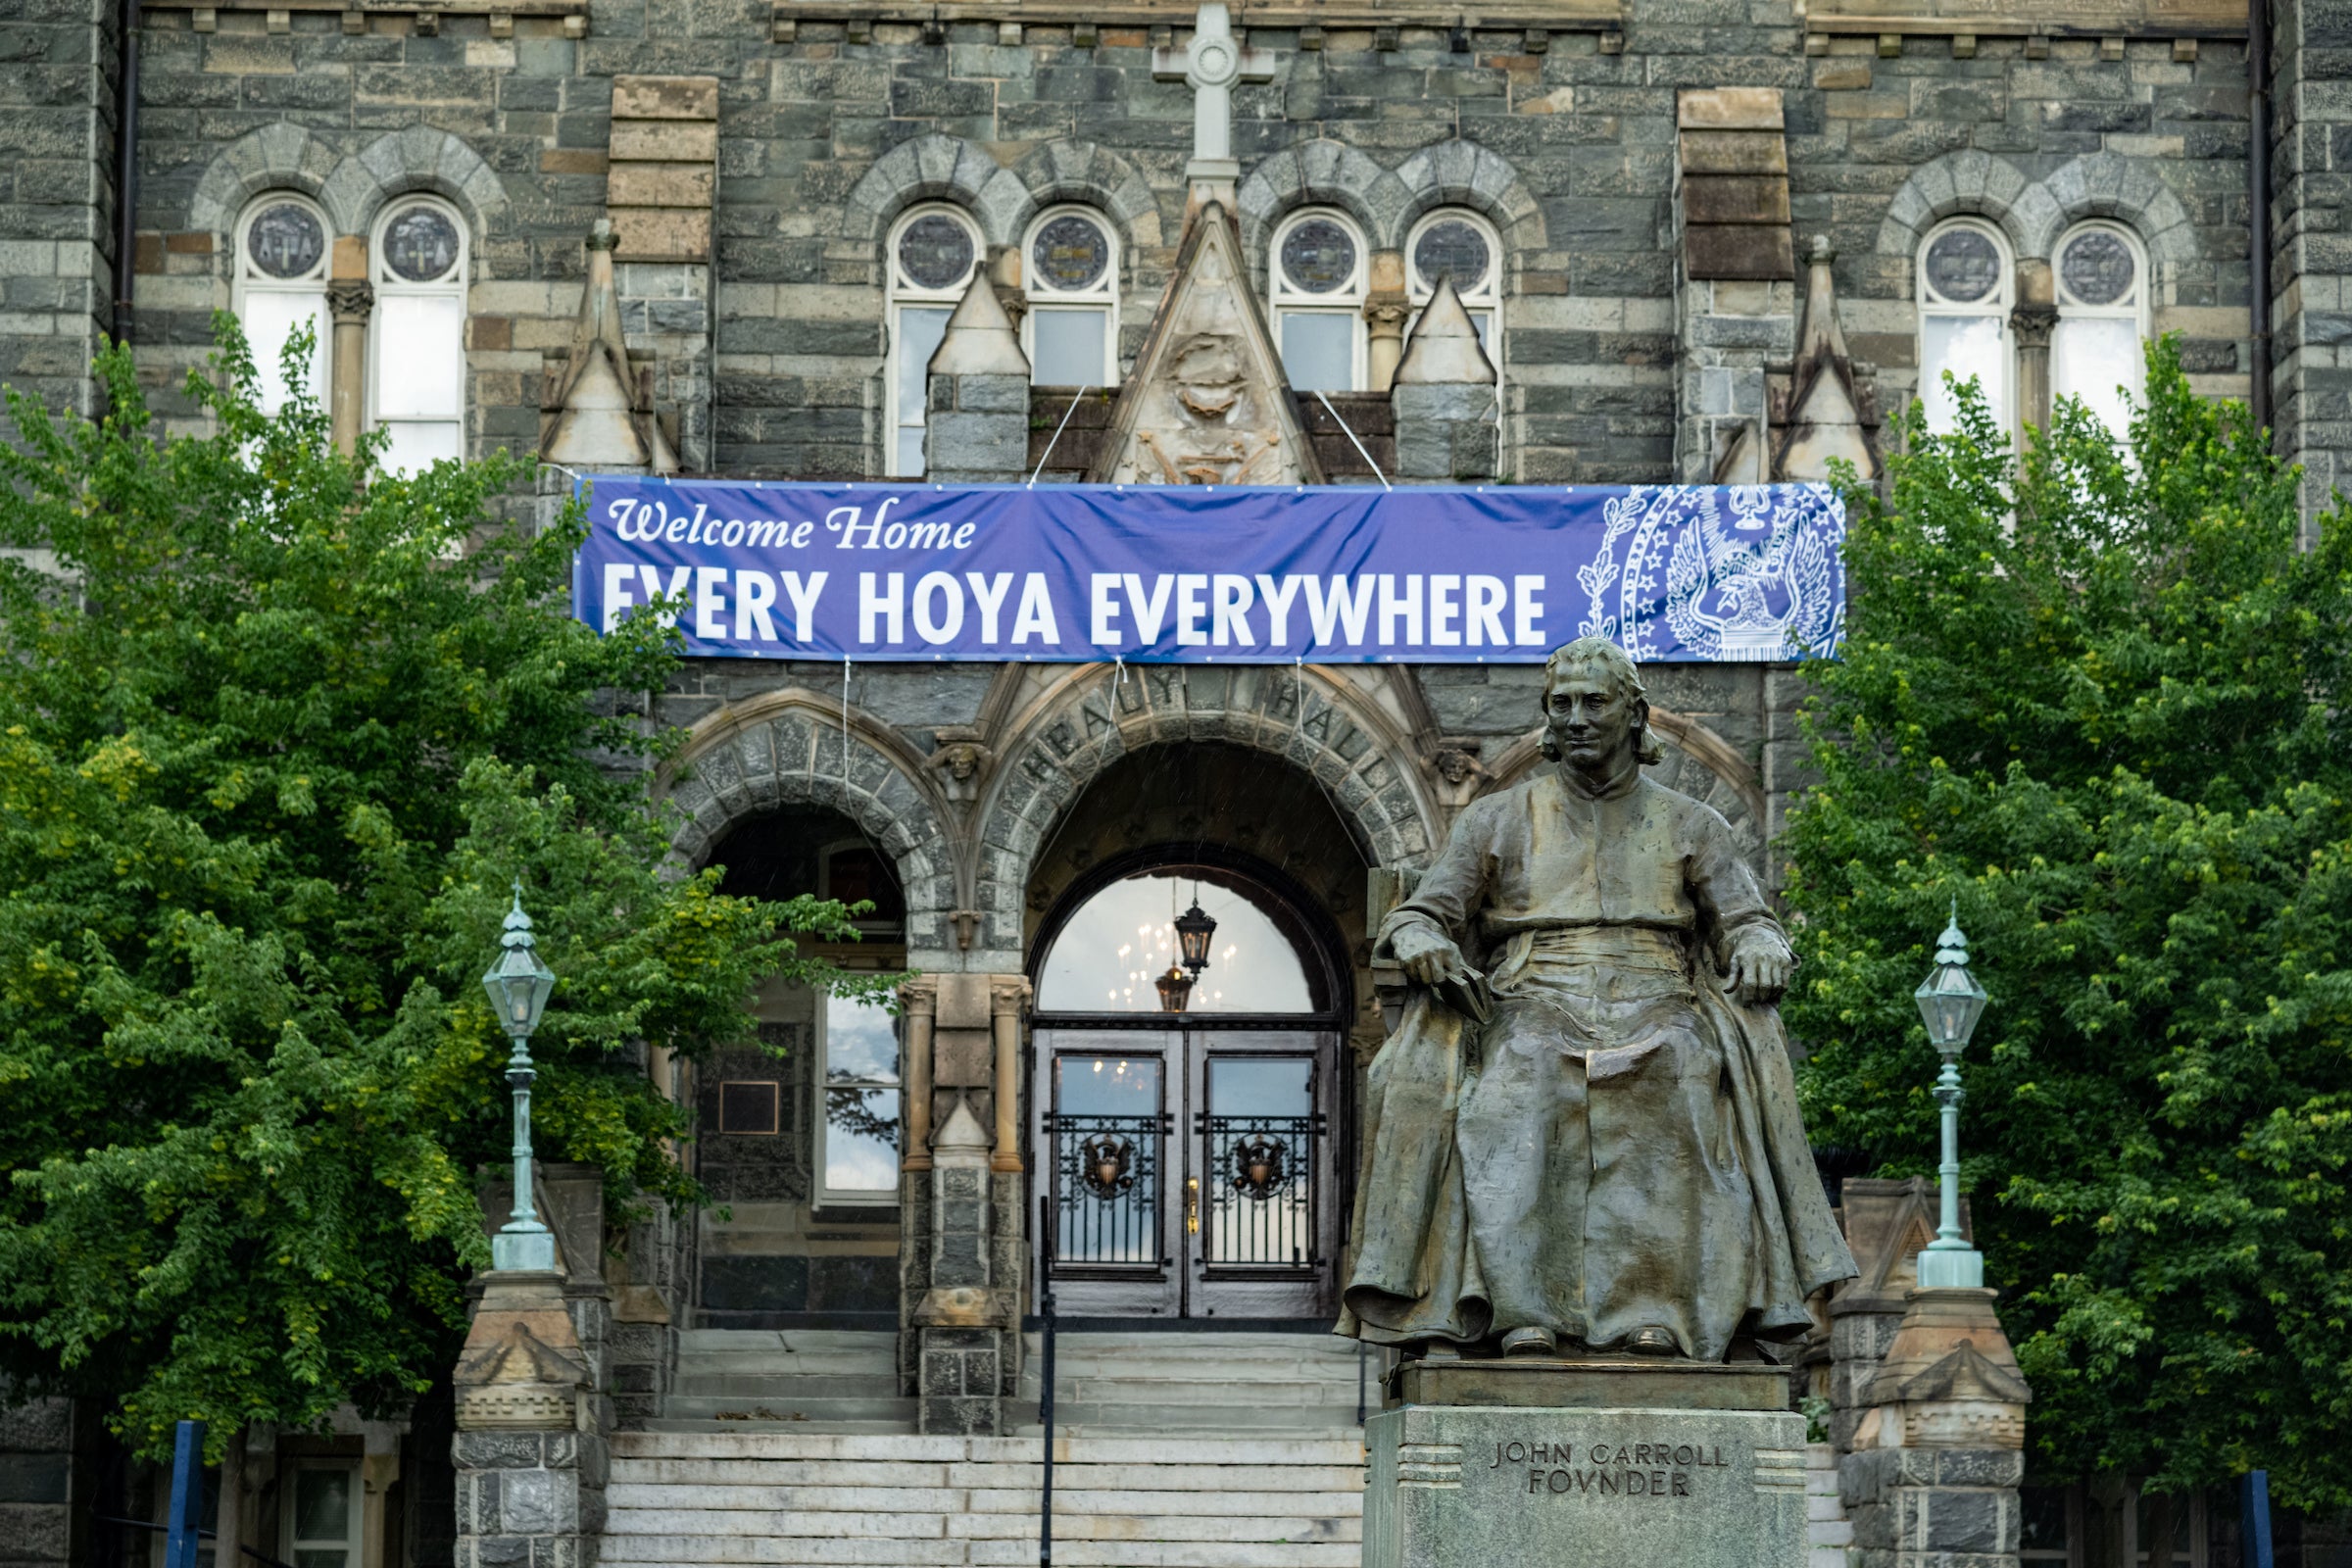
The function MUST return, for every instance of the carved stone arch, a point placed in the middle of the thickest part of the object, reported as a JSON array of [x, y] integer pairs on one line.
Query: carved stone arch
[[1085, 174], [278, 157], [936, 168], [2127, 190], [786, 748], [1092, 717], [1969, 183], [1463, 173], [1318, 173], [1699, 762], [400, 163]]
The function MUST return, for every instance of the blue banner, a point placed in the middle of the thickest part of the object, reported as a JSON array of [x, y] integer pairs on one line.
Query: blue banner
[[1498, 574]]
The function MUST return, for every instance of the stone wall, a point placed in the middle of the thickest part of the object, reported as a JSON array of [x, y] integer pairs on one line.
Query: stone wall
[[58, 102], [2034, 134], [41, 1444]]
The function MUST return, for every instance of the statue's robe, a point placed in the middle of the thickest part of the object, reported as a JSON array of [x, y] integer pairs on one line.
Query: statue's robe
[[1619, 1145]]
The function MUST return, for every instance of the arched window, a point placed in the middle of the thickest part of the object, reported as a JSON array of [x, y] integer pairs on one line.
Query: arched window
[[933, 254], [1454, 243], [2102, 318], [1319, 281], [1073, 330], [1966, 289], [281, 287], [417, 383], [1117, 945]]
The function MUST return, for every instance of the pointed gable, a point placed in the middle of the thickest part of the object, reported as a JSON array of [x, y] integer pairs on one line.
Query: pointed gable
[[1207, 402]]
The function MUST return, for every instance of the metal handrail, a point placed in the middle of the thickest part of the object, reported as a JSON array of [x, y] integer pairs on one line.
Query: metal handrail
[[1045, 1380]]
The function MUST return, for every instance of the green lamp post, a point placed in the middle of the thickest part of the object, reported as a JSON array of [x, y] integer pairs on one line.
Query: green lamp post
[[1951, 1000], [519, 985]]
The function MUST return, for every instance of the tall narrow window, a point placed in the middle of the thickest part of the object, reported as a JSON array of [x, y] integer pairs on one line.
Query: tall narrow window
[[321, 1527], [1966, 289], [1073, 279], [281, 287], [417, 389], [857, 1149], [933, 253], [2103, 320], [1319, 281], [1459, 245]]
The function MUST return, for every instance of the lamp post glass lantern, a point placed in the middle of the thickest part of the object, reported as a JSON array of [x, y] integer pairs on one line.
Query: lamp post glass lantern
[[1950, 1002], [519, 985]]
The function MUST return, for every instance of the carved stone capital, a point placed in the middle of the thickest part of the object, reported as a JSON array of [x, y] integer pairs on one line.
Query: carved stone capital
[[349, 299], [2034, 324], [1008, 994], [919, 997], [1387, 317]]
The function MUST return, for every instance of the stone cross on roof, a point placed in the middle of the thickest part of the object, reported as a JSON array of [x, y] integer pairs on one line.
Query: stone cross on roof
[[1210, 66]]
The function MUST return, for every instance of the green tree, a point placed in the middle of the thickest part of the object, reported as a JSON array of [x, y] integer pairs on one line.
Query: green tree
[[277, 732], [2098, 696]]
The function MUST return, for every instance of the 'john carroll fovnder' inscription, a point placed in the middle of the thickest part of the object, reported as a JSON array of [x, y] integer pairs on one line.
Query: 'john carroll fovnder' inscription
[[1610, 1470]]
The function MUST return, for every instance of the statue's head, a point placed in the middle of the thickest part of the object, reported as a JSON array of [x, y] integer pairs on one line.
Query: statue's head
[[1593, 706]]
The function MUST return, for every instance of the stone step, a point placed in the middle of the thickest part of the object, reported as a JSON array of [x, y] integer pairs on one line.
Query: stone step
[[1020, 1552], [732, 1483], [787, 1384], [888, 1510], [767, 1497], [895, 1414], [635, 1446]]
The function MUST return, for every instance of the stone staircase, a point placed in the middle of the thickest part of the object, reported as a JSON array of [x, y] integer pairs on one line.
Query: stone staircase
[[807, 1380], [785, 1499], [1220, 1383]]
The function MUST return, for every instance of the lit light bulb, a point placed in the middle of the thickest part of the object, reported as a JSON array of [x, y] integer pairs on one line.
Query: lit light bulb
[[1097, 1066]]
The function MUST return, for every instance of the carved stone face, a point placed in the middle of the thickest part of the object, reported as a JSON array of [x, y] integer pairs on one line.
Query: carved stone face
[[962, 761], [1591, 723]]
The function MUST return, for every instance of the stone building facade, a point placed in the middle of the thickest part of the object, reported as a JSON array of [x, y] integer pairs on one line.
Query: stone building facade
[[1667, 240]]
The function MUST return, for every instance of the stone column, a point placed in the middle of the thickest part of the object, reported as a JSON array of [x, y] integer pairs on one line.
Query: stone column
[[349, 300], [1387, 308], [961, 1322], [2032, 321], [530, 1454], [976, 430], [918, 1003], [377, 1473], [1934, 1476], [1007, 1000], [1444, 400]]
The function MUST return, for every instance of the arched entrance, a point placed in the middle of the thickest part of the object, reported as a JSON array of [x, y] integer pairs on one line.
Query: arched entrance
[[1184, 1118]]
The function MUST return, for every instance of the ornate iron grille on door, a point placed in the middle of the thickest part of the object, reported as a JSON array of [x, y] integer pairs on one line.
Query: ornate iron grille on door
[[1106, 1190], [1259, 1175]]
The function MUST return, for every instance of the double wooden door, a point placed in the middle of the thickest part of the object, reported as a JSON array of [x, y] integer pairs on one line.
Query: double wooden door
[[1188, 1169]]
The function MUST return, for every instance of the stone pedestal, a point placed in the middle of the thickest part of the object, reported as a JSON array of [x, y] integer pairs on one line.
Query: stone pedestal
[[529, 1452], [976, 430], [1605, 1464]]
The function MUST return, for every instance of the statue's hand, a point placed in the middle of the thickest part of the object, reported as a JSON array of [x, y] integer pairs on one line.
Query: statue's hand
[[1761, 964], [1428, 954]]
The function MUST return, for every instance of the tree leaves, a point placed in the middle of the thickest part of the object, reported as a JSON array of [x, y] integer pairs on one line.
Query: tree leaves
[[2097, 694], [278, 731]]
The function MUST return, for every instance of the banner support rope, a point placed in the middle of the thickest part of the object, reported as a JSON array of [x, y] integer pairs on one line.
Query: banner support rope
[[1360, 446]]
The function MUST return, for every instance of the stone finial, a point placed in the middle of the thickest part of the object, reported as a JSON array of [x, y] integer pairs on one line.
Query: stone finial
[[1445, 347], [1824, 416], [1949, 1380], [1820, 334], [601, 422], [980, 339]]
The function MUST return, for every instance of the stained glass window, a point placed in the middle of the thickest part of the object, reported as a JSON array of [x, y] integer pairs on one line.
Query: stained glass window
[[932, 254], [420, 244], [2096, 353], [286, 241], [1966, 289], [417, 385], [1318, 289]]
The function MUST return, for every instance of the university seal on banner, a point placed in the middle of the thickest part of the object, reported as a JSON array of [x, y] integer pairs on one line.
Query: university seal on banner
[[1732, 573]]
